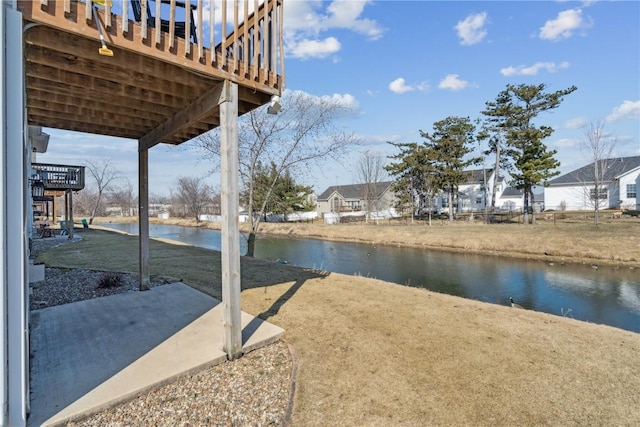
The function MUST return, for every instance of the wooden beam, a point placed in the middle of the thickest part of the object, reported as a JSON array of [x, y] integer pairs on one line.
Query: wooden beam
[[92, 114], [143, 217], [230, 243], [41, 91], [80, 86], [194, 112], [83, 35], [39, 118], [126, 69]]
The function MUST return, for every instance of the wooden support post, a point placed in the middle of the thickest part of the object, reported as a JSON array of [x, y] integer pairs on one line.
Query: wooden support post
[[70, 222], [66, 211], [230, 245], [143, 216]]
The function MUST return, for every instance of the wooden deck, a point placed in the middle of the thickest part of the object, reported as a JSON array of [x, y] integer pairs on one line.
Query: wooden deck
[[59, 177], [157, 87]]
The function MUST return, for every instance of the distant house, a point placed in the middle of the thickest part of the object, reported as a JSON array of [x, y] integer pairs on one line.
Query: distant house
[[512, 199], [473, 194], [576, 190], [353, 198]]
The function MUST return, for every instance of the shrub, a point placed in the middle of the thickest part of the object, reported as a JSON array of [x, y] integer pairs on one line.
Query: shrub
[[110, 280]]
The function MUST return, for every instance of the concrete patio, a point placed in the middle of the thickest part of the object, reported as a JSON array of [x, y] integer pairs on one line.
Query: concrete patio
[[90, 355]]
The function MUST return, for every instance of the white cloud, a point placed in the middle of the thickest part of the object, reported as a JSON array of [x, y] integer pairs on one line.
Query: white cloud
[[305, 21], [304, 49], [626, 110], [379, 140], [346, 100], [566, 143], [532, 70], [423, 87], [472, 30], [564, 26], [575, 123], [399, 86], [452, 82], [346, 14]]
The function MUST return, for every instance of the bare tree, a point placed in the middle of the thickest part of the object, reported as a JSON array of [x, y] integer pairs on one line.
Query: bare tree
[[125, 198], [83, 201], [194, 195], [104, 174], [303, 133], [597, 148], [370, 172]]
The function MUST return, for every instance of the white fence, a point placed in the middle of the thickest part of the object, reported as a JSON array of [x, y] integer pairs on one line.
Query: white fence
[[292, 217], [336, 218]]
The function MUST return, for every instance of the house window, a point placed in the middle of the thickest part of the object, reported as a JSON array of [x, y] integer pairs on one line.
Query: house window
[[631, 191], [601, 194], [478, 200]]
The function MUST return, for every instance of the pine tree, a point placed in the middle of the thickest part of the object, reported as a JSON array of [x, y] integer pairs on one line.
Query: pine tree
[[414, 173], [447, 148], [513, 112]]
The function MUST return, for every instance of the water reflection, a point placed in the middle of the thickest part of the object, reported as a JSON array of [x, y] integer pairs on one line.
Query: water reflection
[[603, 295]]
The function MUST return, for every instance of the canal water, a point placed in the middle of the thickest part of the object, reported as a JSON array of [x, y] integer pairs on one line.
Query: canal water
[[599, 295]]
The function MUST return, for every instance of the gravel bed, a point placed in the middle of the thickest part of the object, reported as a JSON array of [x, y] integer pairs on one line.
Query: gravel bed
[[251, 391], [254, 390]]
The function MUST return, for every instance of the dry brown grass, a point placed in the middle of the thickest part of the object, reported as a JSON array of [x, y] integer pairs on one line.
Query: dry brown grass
[[614, 242], [372, 353]]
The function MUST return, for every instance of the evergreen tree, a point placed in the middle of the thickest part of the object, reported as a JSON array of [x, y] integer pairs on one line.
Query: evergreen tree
[[414, 185], [447, 149], [279, 192], [514, 110]]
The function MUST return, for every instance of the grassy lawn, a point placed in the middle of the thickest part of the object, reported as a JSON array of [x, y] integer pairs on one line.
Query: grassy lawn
[[374, 353]]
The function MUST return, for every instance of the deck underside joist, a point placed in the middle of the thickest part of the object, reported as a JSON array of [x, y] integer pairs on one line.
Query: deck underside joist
[[144, 92]]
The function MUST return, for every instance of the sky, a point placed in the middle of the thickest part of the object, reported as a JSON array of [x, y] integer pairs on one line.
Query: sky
[[404, 65]]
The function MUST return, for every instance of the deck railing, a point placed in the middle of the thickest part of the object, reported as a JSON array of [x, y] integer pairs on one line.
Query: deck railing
[[59, 177], [252, 47]]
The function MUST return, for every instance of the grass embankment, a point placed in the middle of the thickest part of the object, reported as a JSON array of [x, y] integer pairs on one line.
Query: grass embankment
[[374, 353], [613, 242]]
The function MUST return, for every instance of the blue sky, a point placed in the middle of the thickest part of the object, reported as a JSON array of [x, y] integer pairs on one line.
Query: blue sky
[[407, 64]]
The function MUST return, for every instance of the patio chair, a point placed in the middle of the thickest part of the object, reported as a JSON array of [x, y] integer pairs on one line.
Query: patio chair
[[179, 29]]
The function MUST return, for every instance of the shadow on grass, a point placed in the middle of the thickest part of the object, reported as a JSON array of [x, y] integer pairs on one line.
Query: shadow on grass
[[277, 304]]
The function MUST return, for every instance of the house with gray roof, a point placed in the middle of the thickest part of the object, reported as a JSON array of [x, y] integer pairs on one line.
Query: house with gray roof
[[576, 190], [473, 194], [340, 199], [512, 200]]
